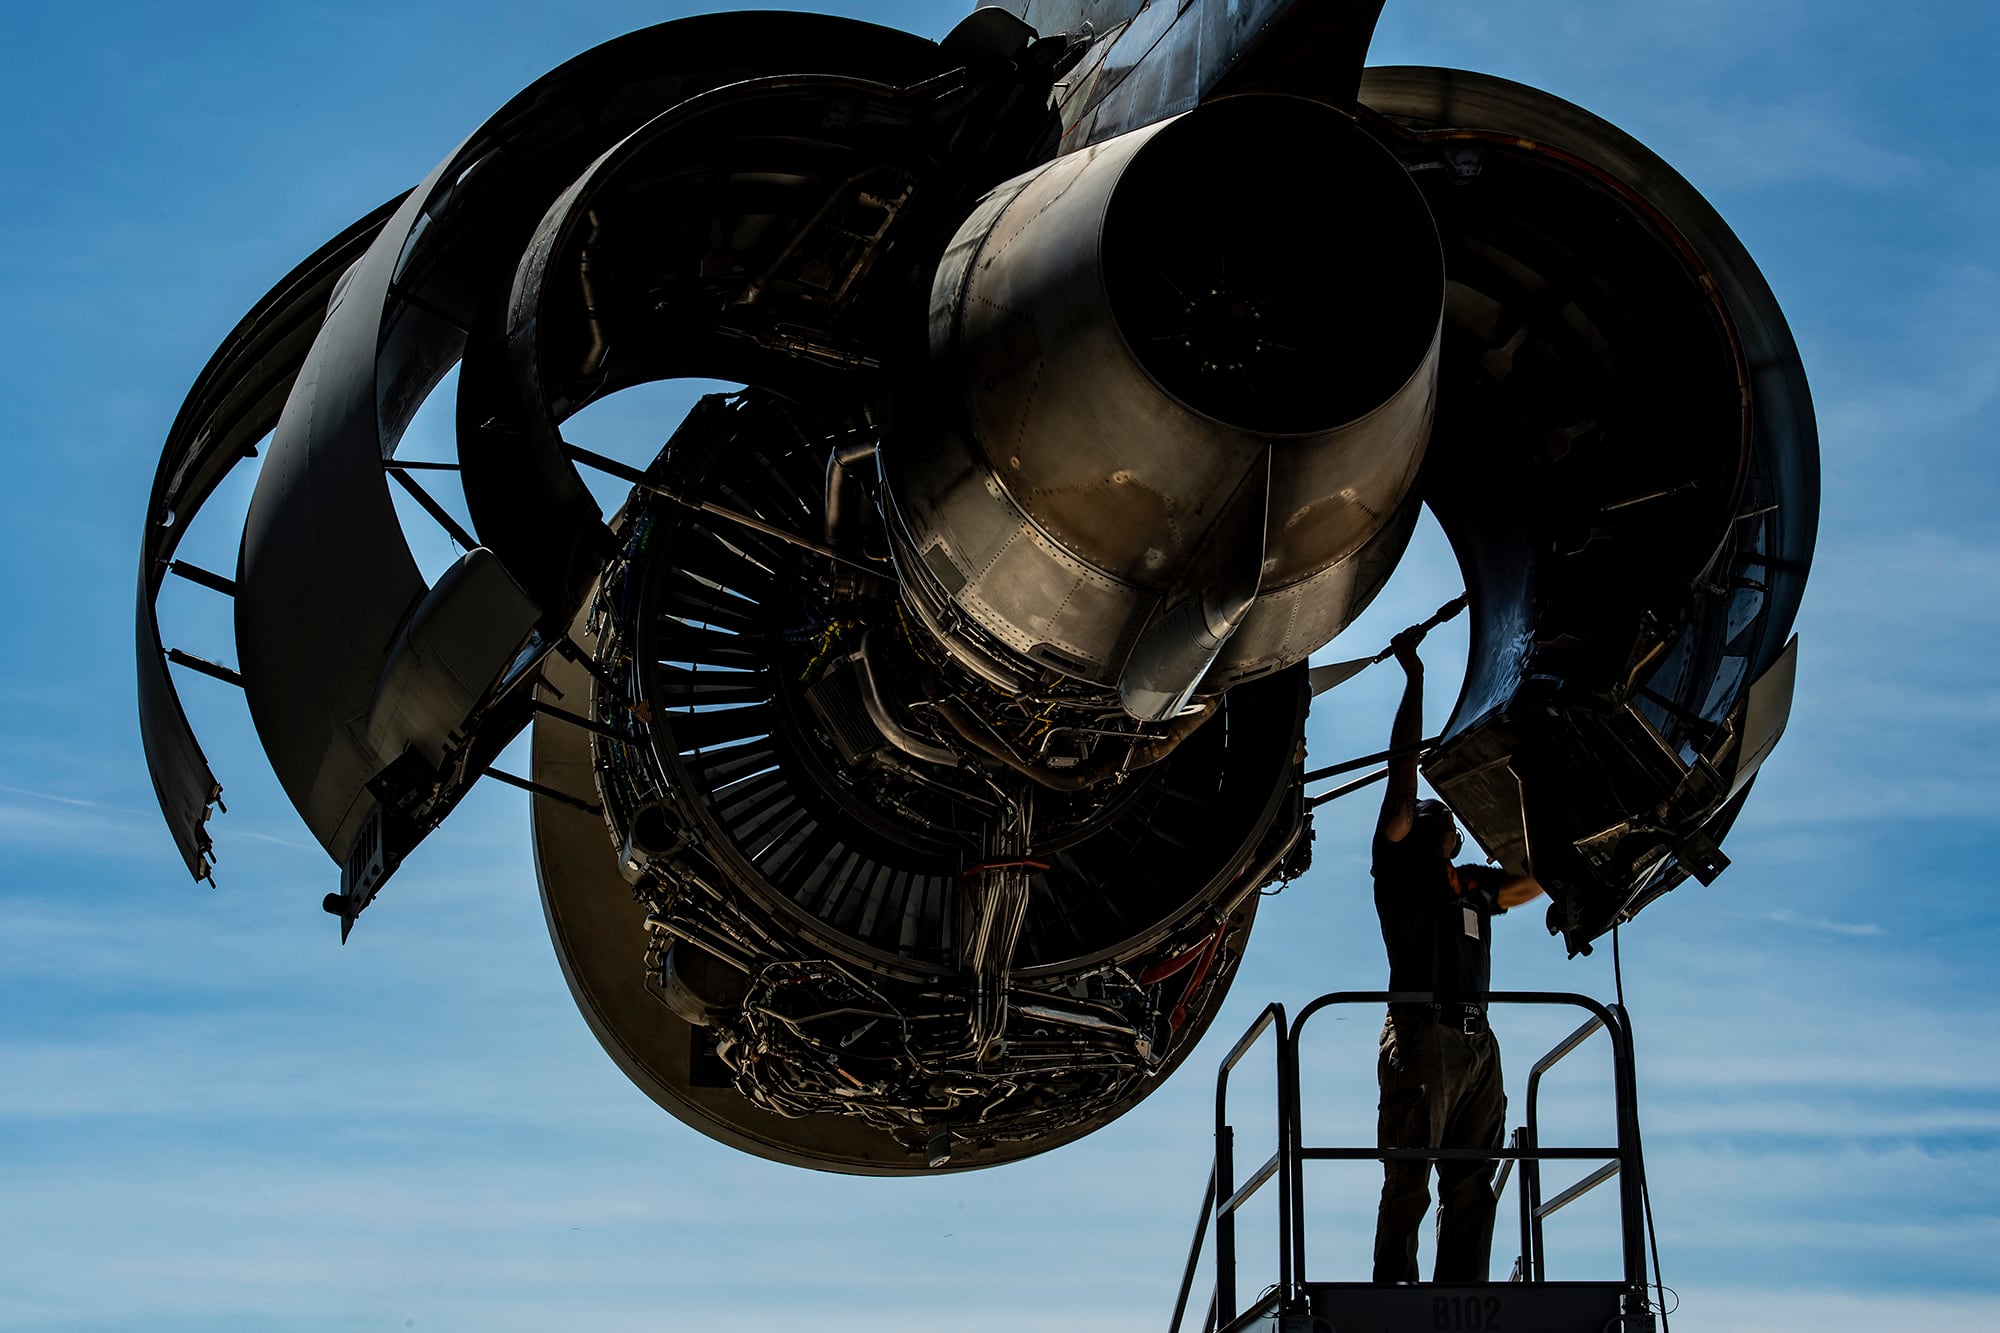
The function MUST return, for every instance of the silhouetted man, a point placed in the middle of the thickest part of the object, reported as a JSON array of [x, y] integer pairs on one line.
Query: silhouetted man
[[1439, 1066]]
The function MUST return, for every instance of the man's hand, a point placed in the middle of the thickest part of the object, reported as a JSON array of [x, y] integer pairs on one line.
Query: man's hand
[[1404, 649]]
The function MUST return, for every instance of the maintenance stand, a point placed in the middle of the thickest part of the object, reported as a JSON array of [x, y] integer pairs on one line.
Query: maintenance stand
[[1526, 1303]]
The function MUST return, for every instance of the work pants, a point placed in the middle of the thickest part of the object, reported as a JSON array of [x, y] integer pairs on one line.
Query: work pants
[[1441, 1088]]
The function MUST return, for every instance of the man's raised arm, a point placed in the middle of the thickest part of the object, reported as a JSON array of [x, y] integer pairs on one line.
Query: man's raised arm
[[1399, 803]]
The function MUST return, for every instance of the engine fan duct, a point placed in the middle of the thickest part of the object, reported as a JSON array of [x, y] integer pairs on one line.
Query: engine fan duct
[[844, 950]]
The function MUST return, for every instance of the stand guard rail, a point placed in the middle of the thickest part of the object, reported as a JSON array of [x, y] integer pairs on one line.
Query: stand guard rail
[[1225, 1195]]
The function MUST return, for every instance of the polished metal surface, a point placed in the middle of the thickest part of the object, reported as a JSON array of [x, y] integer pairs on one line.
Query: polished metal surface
[[1194, 367]]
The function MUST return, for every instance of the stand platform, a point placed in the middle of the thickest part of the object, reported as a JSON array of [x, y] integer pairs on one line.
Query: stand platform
[[1529, 1303]]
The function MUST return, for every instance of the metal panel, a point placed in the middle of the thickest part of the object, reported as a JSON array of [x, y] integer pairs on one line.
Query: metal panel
[[1633, 501], [233, 404], [325, 576], [325, 580], [1161, 57], [1052, 16], [1547, 1307]]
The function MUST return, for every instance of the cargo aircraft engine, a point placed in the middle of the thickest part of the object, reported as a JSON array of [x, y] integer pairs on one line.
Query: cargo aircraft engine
[[911, 747]]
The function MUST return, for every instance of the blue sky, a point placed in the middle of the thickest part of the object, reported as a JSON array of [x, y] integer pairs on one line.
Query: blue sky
[[213, 1117]]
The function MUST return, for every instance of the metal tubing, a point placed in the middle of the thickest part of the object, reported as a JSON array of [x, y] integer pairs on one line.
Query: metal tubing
[[1225, 1164], [1631, 1181], [1526, 1208], [1521, 1197], [1225, 1228], [1426, 997], [439, 514], [1531, 1171], [1346, 788], [1528, 1150], [206, 667], [206, 578], [1272, 1012], [1561, 1049], [609, 466], [537, 789], [547, 709], [1457, 1154], [1292, 1253], [839, 506], [1258, 1316], [638, 479], [878, 713], [1524, 1147], [1252, 1185], [1380, 756], [1194, 1253], [1578, 1190], [1531, 1185]]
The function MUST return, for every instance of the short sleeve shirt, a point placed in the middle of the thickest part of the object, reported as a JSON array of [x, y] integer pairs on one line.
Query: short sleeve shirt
[[1436, 920]]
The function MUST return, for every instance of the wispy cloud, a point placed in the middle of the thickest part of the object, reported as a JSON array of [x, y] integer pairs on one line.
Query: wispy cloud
[[45, 818], [1786, 916], [50, 796], [76, 824], [1763, 1310], [1737, 145], [1941, 371], [271, 838], [1810, 1121]]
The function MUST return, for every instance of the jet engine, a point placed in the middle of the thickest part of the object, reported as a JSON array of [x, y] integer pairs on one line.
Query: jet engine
[[911, 746]]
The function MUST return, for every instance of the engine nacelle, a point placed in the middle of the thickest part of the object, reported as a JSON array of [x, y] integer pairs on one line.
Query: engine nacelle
[[913, 817]]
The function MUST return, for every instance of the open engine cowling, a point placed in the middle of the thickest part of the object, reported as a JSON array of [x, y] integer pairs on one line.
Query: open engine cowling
[[911, 746]]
